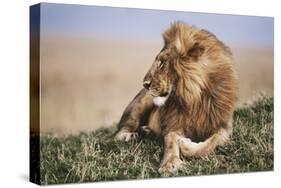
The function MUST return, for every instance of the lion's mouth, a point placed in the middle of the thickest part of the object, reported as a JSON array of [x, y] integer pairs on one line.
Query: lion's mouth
[[159, 93], [162, 94], [159, 99]]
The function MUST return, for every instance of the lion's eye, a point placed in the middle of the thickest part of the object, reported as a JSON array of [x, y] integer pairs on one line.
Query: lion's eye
[[161, 64]]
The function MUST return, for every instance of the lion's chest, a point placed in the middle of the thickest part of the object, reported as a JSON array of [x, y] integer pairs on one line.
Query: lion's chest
[[195, 124]]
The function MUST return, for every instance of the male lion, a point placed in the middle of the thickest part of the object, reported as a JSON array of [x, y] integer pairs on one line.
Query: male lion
[[189, 96]]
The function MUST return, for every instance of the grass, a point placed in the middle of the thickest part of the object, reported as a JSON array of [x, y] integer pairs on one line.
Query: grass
[[96, 156]]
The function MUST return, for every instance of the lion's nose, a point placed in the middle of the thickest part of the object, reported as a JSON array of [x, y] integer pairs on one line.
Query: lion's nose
[[146, 84]]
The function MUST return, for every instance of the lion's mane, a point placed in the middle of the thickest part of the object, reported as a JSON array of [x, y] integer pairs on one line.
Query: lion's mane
[[205, 83]]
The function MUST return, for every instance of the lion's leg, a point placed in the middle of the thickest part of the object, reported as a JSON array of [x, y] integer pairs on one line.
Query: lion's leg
[[171, 161], [189, 148], [135, 115], [153, 123]]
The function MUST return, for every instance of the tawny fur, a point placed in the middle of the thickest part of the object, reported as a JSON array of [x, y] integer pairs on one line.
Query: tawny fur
[[196, 72]]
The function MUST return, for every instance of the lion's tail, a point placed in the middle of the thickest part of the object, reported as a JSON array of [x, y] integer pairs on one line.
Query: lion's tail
[[189, 148]]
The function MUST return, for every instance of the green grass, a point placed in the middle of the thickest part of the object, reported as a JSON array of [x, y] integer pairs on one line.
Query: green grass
[[96, 156]]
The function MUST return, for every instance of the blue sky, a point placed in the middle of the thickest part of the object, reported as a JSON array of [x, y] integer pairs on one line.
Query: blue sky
[[141, 24]]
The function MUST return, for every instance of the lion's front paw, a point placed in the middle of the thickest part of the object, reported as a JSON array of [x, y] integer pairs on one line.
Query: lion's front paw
[[126, 136], [170, 166]]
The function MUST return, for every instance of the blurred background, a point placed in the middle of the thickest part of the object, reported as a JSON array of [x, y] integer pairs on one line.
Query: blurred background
[[93, 59]]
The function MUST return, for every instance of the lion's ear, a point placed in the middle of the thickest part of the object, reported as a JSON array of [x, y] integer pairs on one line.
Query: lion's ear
[[195, 51]]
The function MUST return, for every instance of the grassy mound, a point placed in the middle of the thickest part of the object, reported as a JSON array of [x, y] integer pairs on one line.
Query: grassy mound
[[96, 156]]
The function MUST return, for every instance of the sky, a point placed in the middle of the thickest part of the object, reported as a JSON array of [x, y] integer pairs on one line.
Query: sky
[[142, 24]]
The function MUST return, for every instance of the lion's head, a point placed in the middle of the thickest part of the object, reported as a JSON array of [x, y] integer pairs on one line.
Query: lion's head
[[179, 68]]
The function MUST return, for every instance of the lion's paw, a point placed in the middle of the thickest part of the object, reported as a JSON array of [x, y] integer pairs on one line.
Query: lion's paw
[[126, 136], [170, 166]]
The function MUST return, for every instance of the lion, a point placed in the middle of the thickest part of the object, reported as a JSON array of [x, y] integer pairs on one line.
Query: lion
[[189, 96]]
